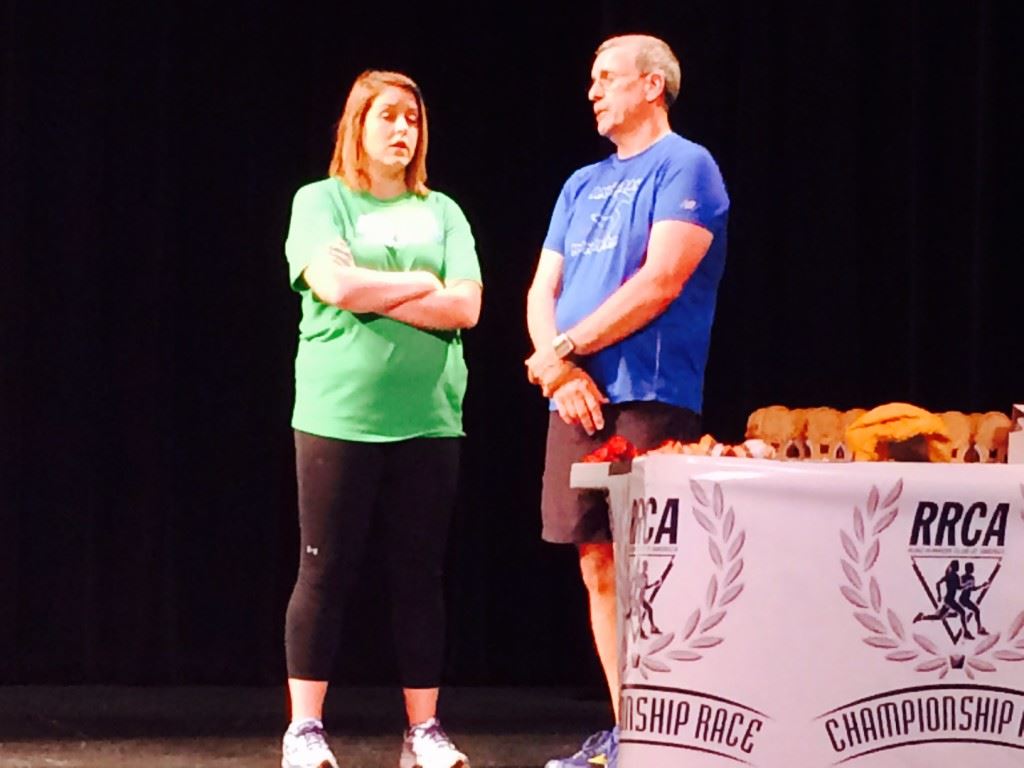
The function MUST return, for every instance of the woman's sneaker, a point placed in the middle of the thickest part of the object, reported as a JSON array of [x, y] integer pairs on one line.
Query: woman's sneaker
[[599, 749], [305, 746], [427, 746]]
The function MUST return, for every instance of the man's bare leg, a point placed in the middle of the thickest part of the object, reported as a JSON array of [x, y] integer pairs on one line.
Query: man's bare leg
[[597, 565]]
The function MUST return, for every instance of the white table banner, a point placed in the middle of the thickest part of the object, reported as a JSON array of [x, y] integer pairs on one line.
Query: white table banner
[[800, 615]]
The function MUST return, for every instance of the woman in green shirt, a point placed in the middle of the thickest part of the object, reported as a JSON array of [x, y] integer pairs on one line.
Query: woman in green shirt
[[388, 277]]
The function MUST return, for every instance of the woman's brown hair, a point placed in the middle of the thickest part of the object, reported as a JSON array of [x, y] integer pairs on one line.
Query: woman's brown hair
[[349, 161]]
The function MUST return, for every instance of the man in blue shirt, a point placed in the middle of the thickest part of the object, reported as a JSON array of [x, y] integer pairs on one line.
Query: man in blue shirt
[[620, 311]]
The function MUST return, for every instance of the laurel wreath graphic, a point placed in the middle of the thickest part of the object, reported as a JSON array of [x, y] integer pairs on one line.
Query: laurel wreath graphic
[[888, 632], [725, 545]]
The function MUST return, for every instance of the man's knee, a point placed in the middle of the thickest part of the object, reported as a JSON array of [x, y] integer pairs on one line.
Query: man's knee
[[597, 565]]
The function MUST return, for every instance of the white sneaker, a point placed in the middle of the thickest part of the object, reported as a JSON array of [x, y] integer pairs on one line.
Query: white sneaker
[[427, 746], [305, 746]]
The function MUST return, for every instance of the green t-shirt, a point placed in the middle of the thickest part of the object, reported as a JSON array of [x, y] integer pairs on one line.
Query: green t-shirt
[[364, 376]]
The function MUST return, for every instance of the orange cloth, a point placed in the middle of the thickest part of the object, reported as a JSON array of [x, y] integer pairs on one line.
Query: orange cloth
[[870, 435]]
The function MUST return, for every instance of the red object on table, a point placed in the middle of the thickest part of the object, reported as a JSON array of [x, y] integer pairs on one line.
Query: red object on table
[[617, 448]]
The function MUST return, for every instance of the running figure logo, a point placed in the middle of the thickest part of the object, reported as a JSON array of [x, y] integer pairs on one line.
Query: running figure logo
[[640, 608], [955, 591]]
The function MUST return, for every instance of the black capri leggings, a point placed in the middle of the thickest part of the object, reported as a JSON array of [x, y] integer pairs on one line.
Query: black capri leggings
[[404, 492]]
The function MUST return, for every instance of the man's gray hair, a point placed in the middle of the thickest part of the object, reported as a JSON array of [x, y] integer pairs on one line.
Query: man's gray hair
[[652, 55]]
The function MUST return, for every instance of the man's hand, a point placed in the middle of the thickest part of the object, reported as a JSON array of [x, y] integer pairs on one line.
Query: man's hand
[[545, 369], [579, 401], [541, 360]]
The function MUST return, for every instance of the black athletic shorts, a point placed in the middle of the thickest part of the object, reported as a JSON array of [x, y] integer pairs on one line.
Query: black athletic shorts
[[572, 516]]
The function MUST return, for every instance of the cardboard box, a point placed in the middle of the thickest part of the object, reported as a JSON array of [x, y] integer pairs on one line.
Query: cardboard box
[[1015, 448]]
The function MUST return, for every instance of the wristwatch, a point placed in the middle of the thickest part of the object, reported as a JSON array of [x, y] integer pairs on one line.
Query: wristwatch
[[563, 346]]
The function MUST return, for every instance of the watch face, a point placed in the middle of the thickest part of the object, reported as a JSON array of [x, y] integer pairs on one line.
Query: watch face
[[563, 345]]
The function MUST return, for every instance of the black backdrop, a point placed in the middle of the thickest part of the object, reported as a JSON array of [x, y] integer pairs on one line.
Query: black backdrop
[[147, 517]]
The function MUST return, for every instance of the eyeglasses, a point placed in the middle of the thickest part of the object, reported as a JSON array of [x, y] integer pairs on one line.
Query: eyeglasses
[[605, 79]]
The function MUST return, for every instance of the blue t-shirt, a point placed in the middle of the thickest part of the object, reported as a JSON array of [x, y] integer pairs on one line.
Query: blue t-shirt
[[601, 225]]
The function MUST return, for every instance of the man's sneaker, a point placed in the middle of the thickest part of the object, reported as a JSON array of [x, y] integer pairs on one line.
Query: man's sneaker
[[305, 746], [427, 746], [600, 749]]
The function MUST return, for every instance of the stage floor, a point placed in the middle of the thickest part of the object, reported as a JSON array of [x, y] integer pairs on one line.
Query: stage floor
[[216, 727]]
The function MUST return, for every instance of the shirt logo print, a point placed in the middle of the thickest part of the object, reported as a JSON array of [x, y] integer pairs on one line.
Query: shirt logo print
[[604, 236]]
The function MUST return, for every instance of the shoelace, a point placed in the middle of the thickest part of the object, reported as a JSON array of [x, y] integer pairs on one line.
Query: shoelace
[[312, 735], [590, 746], [433, 733]]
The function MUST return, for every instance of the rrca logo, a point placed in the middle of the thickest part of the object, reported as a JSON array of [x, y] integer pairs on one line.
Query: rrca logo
[[957, 550], [957, 525], [653, 536], [649, 526]]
